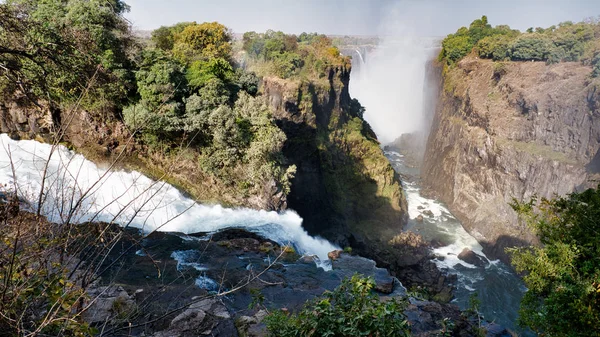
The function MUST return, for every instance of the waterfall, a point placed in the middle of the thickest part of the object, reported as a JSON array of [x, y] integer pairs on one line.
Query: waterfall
[[130, 198], [362, 60], [390, 86]]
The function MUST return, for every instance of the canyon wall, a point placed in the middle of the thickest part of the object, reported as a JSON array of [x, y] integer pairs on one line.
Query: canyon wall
[[345, 189], [505, 130]]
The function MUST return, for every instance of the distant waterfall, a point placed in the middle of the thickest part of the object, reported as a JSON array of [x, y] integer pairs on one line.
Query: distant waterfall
[[362, 59], [390, 83]]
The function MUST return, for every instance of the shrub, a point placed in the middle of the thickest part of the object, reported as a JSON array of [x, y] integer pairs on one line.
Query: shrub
[[455, 47], [350, 310], [531, 47], [496, 47]]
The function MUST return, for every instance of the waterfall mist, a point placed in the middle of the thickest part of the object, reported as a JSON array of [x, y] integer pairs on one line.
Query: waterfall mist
[[390, 80]]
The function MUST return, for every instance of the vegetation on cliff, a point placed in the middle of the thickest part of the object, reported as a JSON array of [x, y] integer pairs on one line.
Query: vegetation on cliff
[[306, 56], [563, 275], [567, 42]]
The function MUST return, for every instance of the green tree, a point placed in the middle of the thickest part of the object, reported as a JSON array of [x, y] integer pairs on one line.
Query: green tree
[[350, 310], [531, 47], [202, 42], [162, 87], [563, 275], [200, 72], [455, 47], [55, 50]]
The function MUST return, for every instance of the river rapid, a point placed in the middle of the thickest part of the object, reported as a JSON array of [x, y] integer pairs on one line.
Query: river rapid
[[498, 288]]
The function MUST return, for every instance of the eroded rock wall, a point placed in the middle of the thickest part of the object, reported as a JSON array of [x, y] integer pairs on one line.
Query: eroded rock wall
[[345, 189], [511, 130]]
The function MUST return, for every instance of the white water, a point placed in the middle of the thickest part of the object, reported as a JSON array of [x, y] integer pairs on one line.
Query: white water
[[390, 85], [498, 288], [130, 198]]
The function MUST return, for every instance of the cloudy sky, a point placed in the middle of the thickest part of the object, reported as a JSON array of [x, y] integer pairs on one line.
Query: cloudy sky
[[359, 17]]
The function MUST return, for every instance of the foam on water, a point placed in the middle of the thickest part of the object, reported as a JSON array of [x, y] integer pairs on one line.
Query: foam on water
[[499, 289], [132, 199]]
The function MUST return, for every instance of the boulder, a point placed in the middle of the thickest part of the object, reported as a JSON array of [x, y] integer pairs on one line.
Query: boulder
[[334, 255], [347, 265], [471, 257]]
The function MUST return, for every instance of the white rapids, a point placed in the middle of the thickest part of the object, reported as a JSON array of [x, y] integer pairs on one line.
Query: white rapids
[[131, 199]]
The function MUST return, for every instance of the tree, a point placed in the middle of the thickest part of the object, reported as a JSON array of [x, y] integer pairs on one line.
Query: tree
[[203, 41], [164, 37], [563, 275], [531, 47], [350, 310], [200, 72], [162, 86], [52, 50]]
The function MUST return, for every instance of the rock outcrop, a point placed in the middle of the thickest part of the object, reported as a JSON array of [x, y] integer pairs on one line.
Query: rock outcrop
[[511, 130], [345, 188]]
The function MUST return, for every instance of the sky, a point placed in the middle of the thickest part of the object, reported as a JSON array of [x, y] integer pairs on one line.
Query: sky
[[358, 17]]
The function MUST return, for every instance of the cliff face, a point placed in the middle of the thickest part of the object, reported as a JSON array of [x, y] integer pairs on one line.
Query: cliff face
[[511, 130], [345, 189]]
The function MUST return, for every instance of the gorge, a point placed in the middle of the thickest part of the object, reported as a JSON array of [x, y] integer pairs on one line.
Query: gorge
[[192, 181]]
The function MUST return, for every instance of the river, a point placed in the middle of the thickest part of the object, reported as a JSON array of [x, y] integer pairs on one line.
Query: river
[[497, 287]]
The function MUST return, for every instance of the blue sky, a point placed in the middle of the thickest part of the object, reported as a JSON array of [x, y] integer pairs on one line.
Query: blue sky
[[359, 17]]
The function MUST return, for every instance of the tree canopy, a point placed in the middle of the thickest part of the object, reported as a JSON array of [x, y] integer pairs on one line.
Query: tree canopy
[[59, 49], [568, 42]]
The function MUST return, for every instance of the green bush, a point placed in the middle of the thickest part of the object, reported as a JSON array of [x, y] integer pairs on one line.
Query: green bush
[[563, 275], [531, 47], [455, 47], [350, 310], [496, 47]]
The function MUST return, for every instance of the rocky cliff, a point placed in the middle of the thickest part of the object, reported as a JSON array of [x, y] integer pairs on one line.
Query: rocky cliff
[[511, 130], [345, 188]]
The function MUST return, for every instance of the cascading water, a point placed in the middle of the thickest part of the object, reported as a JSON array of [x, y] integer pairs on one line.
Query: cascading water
[[386, 85], [391, 86], [130, 198]]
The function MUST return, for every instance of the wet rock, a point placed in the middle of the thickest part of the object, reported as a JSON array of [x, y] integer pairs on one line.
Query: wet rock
[[207, 317], [495, 330], [308, 259], [471, 257], [347, 265], [419, 218], [428, 213], [108, 302], [334, 255]]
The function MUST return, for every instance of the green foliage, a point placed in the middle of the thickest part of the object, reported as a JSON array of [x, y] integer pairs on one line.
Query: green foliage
[[350, 310], [568, 42], [201, 72], [455, 47], [164, 37], [287, 56], [563, 275], [162, 86], [496, 47], [55, 50], [531, 47], [202, 41]]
